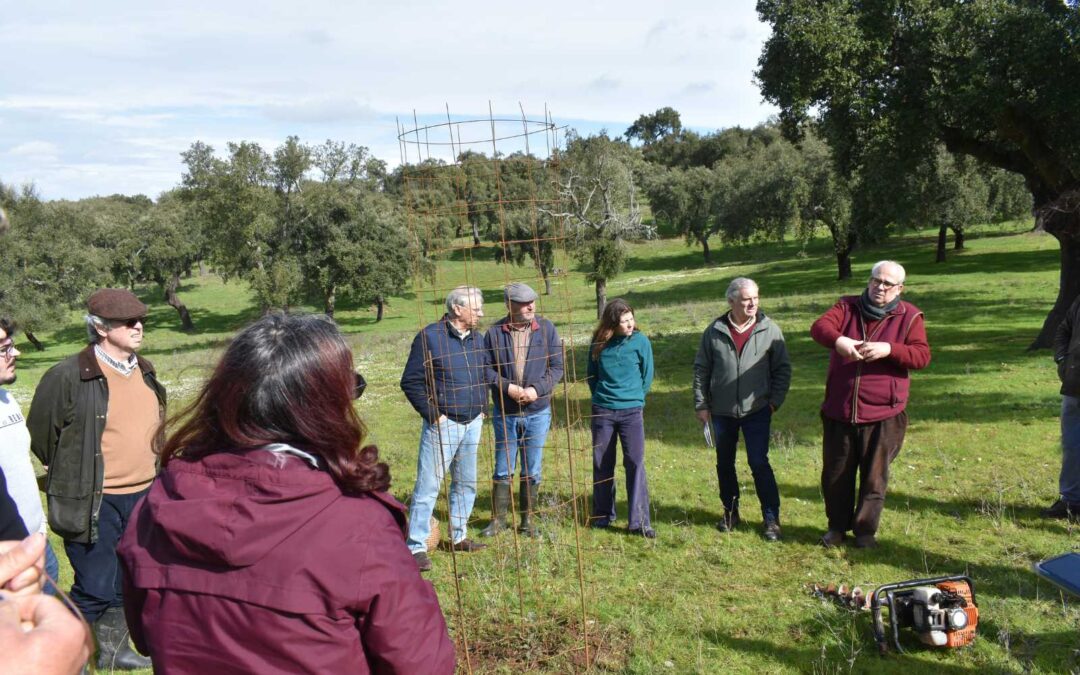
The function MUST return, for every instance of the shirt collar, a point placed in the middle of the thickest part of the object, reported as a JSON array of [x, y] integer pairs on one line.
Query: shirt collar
[[510, 326], [125, 368], [286, 449]]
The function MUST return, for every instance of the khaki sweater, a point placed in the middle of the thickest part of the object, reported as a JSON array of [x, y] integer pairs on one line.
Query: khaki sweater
[[126, 443]]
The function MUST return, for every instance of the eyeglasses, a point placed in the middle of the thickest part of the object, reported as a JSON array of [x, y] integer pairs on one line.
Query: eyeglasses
[[361, 385], [7, 350], [130, 323], [887, 285]]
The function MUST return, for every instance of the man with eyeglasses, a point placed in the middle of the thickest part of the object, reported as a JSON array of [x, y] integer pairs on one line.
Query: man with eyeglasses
[[16, 469], [445, 380], [93, 423], [875, 339]]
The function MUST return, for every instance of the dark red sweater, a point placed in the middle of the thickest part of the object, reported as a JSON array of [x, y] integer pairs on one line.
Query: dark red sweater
[[859, 392]]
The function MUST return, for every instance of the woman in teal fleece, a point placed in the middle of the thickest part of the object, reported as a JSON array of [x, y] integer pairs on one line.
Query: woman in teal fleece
[[620, 374]]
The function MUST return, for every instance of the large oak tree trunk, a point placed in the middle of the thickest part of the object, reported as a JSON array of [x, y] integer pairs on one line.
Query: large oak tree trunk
[[186, 324], [380, 306], [942, 241], [601, 297], [330, 301], [34, 341], [843, 264], [546, 276], [958, 239], [1061, 219], [705, 250]]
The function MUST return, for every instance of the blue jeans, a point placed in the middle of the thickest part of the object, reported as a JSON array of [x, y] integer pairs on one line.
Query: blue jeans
[[52, 568], [1069, 482], [445, 448], [524, 434], [98, 574], [755, 429], [608, 427]]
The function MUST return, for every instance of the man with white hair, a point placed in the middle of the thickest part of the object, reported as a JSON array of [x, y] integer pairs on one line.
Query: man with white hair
[[875, 339], [93, 423], [741, 376], [445, 380]]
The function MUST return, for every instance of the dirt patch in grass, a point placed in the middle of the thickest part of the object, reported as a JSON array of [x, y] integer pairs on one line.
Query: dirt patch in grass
[[556, 644]]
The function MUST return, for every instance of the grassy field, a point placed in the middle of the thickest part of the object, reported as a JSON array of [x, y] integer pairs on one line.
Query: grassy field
[[980, 460]]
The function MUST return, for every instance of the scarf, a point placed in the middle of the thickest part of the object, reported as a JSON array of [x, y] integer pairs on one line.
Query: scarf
[[872, 312]]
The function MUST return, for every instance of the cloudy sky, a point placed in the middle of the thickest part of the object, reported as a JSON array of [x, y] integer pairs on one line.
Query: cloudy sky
[[101, 98]]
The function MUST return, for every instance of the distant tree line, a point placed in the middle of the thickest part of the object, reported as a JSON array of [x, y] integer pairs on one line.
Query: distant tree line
[[756, 184], [329, 223]]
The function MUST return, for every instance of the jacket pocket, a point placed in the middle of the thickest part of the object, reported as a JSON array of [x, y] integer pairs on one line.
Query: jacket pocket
[[69, 517]]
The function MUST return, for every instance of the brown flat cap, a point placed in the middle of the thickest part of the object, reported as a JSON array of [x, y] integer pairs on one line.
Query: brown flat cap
[[118, 304]]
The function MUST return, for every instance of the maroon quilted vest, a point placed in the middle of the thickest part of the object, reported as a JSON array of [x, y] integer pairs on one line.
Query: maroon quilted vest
[[857, 392]]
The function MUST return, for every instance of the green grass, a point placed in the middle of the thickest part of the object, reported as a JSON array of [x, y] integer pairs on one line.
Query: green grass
[[980, 460]]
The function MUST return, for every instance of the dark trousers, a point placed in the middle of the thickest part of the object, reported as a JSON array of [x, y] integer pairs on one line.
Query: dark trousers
[[98, 576], [866, 449], [608, 427], [755, 429]]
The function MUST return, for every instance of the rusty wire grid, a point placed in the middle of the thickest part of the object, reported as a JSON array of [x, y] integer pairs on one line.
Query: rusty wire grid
[[524, 602]]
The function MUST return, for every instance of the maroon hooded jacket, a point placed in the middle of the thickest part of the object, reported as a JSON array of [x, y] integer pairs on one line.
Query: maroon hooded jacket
[[256, 562], [857, 392]]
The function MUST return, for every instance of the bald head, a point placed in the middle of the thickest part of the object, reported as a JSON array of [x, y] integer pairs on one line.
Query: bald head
[[886, 282]]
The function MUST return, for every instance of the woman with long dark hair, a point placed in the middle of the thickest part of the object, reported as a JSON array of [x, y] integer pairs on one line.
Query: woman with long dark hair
[[620, 375], [268, 542]]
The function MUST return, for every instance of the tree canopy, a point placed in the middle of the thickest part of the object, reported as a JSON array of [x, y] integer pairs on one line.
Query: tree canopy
[[995, 79]]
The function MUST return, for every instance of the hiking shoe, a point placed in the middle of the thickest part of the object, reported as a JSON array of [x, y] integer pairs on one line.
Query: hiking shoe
[[772, 530], [646, 532], [832, 538], [1062, 509], [866, 541], [468, 546], [423, 562], [730, 521]]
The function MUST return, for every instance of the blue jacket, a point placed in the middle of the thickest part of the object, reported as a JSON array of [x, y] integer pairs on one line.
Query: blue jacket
[[543, 365], [445, 374]]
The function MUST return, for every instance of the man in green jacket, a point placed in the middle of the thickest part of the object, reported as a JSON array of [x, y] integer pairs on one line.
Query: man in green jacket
[[92, 424], [741, 376]]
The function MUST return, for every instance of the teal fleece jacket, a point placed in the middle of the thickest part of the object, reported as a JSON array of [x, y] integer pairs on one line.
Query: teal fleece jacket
[[623, 374]]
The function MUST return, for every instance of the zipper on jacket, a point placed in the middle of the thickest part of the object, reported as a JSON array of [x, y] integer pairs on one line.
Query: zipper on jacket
[[858, 368]]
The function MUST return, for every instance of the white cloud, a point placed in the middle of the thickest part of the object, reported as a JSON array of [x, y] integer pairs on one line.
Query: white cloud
[[129, 85], [36, 151]]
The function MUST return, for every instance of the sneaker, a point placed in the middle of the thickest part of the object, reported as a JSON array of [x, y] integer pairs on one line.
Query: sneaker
[[832, 538], [1062, 509], [772, 530], [646, 532], [468, 546], [423, 562], [866, 541]]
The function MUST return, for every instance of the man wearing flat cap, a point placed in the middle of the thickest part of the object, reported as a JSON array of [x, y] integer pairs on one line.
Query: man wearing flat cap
[[93, 423], [525, 362]]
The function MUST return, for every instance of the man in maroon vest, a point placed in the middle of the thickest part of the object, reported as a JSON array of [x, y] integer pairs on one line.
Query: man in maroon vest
[[875, 338]]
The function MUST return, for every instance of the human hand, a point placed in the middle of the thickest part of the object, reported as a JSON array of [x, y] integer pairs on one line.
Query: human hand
[[39, 636], [442, 418], [848, 348], [704, 416], [21, 564], [529, 395], [872, 351]]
